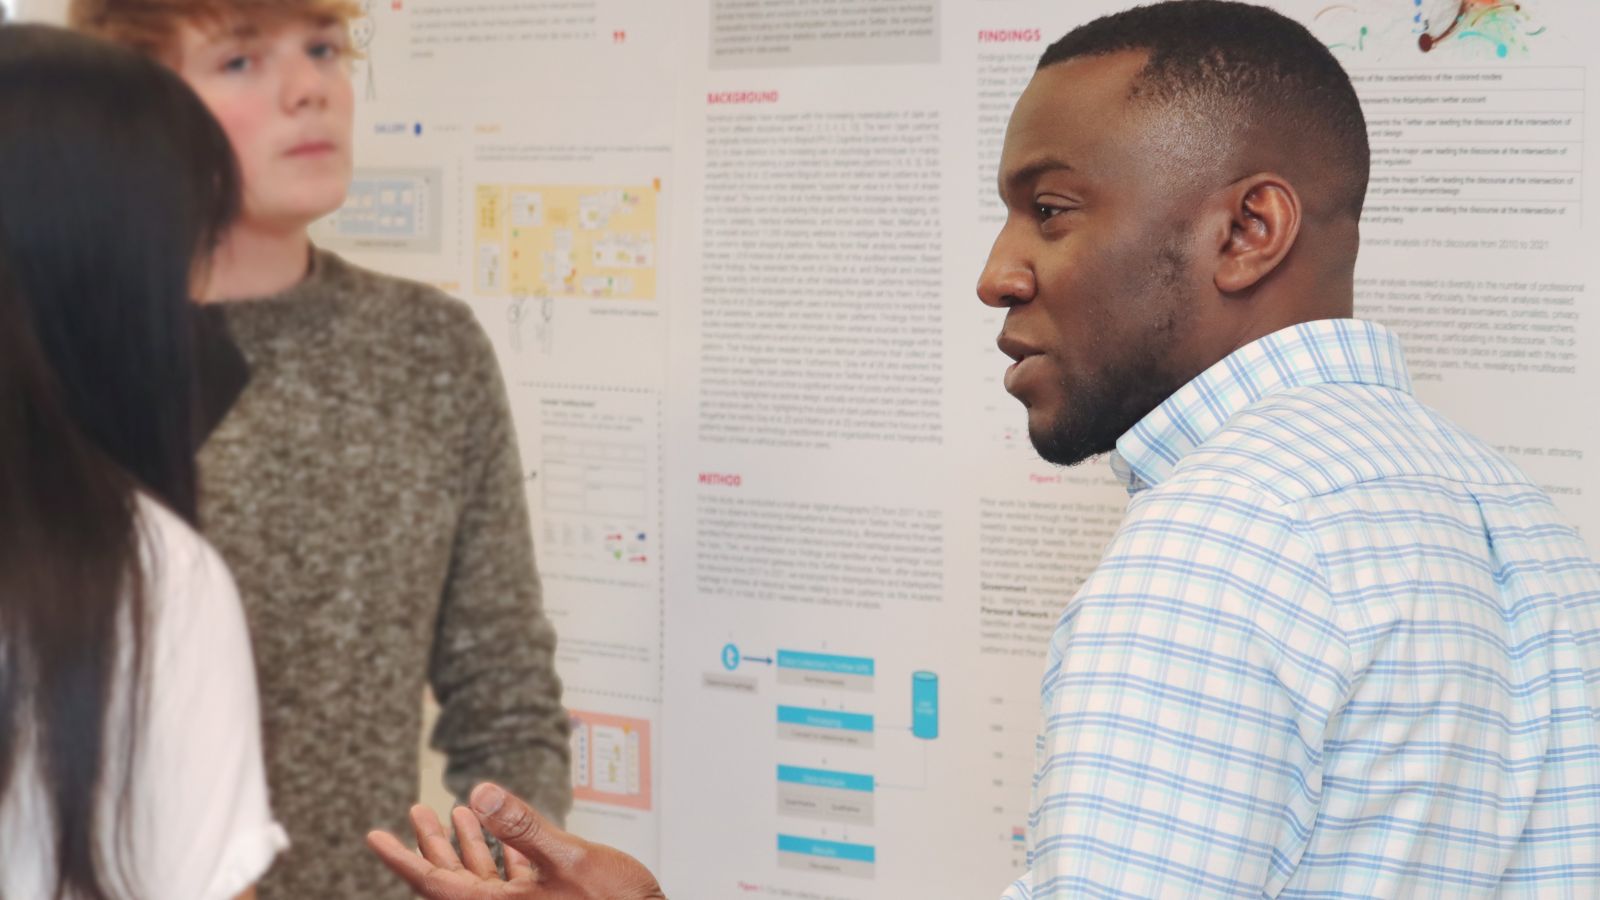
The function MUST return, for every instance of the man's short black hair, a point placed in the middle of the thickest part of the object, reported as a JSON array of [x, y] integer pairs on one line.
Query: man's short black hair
[[1239, 66]]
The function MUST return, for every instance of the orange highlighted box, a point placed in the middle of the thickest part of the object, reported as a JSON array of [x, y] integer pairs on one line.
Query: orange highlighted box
[[610, 759]]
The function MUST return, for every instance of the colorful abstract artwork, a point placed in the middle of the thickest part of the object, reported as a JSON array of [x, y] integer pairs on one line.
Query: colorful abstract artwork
[[1468, 28]]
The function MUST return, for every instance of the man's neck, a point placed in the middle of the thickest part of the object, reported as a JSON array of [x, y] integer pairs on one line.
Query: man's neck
[[257, 262]]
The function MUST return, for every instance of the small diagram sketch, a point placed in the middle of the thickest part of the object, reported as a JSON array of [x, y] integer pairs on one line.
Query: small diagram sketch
[[542, 311], [390, 209], [546, 327], [362, 31], [610, 759], [566, 241], [596, 504], [597, 478]]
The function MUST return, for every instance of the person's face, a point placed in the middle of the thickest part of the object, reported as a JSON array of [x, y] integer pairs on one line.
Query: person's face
[[1094, 262], [282, 93]]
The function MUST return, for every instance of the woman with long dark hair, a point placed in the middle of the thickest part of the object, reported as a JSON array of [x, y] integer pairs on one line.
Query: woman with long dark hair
[[130, 758]]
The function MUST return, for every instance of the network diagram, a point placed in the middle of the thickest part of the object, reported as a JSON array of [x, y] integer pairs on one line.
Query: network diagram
[[840, 757]]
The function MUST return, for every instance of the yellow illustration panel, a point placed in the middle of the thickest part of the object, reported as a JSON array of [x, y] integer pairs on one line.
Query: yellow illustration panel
[[595, 241]]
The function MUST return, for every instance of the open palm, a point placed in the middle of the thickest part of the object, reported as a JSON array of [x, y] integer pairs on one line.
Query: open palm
[[542, 862]]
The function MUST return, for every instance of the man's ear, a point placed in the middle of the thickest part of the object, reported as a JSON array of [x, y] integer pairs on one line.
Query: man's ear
[[1263, 219]]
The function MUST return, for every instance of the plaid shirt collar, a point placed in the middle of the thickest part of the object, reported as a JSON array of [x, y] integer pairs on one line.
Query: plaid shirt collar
[[1327, 351]]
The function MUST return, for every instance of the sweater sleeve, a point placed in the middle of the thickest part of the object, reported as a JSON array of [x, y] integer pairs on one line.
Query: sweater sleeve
[[493, 661]]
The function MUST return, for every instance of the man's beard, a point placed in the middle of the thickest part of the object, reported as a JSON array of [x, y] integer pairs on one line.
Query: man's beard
[[1099, 410]]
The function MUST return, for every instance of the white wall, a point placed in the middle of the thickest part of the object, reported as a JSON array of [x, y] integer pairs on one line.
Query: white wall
[[39, 10]]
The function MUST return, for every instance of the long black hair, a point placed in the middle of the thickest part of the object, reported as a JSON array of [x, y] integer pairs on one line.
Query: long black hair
[[114, 182]]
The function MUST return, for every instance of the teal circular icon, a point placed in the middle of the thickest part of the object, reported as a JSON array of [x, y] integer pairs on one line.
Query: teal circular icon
[[730, 657]]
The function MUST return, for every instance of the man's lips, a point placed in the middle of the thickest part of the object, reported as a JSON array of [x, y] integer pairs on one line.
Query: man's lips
[[1014, 348], [312, 148], [1023, 353]]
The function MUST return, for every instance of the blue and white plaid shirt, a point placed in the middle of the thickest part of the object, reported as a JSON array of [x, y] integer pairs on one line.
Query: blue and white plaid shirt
[[1338, 648]]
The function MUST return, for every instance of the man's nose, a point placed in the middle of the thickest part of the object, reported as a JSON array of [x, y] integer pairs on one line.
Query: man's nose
[[305, 84], [1006, 280]]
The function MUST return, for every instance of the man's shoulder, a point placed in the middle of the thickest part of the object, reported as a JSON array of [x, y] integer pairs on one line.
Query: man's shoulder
[[1319, 440], [394, 308]]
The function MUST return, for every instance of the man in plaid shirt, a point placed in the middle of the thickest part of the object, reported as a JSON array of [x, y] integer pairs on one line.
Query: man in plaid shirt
[[1338, 647]]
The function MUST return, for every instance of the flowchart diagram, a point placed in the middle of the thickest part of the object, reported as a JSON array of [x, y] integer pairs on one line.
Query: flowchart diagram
[[839, 749]]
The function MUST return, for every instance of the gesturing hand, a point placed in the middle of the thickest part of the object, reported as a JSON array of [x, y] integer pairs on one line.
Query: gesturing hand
[[542, 861]]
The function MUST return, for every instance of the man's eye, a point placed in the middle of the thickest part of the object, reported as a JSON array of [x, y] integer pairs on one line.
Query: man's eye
[[236, 64], [1047, 211], [326, 50]]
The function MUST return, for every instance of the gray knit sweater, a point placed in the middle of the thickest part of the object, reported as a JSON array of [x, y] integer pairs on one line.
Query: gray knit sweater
[[366, 490]]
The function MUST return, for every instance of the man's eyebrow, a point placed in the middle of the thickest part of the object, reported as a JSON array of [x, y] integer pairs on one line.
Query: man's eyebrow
[[1012, 181], [243, 31]]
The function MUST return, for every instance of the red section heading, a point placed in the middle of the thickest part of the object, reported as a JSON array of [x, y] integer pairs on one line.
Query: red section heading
[[722, 478], [1009, 35], [717, 97]]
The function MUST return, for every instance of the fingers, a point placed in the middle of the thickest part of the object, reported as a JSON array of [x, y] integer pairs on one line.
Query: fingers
[[517, 865], [474, 850], [432, 839], [518, 826], [411, 868]]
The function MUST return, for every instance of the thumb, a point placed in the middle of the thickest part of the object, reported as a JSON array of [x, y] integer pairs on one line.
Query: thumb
[[518, 825]]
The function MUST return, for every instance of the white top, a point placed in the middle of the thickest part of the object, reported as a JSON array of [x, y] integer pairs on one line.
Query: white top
[[198, 825]]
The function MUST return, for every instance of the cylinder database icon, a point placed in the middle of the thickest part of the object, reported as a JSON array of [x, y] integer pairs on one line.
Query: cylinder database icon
[[925, 705]]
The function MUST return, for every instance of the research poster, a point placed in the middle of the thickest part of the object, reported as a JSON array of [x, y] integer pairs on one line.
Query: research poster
[[803, 561]]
